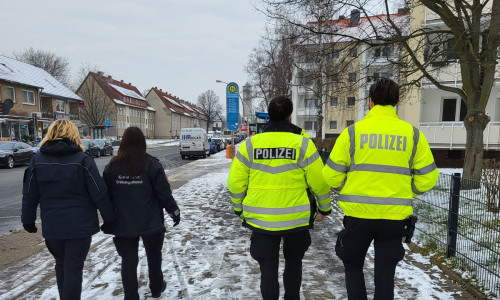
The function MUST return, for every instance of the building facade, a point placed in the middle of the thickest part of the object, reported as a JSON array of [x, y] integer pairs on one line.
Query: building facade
[[173, 113], [112, 106], [332, 76], [31, 100]]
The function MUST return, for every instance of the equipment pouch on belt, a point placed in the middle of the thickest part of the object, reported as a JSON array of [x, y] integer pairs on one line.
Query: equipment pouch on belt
[[409, 228]]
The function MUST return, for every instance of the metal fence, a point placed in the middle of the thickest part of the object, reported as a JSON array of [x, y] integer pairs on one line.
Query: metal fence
[[460, 219]]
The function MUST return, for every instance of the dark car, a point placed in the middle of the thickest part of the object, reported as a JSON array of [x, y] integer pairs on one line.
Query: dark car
[[219, 143], [213, 147], [105, 146], [15, 153], [91, 148]]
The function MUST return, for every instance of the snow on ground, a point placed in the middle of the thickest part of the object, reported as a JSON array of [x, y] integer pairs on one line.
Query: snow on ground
[[161, 143], [207, 257]]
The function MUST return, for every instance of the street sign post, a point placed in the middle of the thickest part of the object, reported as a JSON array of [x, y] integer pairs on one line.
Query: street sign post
[[232, 110]]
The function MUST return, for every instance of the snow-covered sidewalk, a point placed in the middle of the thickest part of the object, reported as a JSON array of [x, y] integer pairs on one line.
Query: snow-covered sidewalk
[[207, 255]]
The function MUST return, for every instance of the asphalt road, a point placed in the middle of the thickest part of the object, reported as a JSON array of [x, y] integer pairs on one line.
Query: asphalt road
[[11, 184]]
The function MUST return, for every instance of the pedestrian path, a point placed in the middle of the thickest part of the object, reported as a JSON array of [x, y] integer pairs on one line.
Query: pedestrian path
[[207, 255]]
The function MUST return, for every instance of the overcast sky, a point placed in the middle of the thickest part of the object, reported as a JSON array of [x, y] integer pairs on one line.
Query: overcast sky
[[181, 46]]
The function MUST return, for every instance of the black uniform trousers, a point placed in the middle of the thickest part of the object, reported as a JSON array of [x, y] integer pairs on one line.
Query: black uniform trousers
[[70, 254], [265, 249], [128, 249], [352, 245]]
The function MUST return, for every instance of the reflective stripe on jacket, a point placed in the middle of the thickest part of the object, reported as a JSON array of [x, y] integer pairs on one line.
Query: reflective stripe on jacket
[[378, 165], [269, 179]]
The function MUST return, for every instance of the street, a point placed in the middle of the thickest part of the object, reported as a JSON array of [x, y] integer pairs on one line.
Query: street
[[11, 184]]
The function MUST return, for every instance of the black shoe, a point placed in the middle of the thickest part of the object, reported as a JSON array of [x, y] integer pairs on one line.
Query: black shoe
[[157, 295]]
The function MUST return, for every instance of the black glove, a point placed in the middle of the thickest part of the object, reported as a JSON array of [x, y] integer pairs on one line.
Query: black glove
[[31, 228], [108, 227], [176, 217]]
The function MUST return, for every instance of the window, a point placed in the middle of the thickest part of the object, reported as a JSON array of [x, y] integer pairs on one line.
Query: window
[[333, 124], [11, 94], [352, 77], [384, 75], [386, 51], [349, 123], [310, 57], [334, 101], [351, 101], [353, 52], [335, 78], [453, 110], [450, 47], [28, 97], [383, 52], [311, 103], [60, 106], [309, 125], [335, 53]]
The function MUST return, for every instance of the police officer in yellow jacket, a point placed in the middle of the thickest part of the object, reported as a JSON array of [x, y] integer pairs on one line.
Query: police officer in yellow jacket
[[277, 188], [377, 166]]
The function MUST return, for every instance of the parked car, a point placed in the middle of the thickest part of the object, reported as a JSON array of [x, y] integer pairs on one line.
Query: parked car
[[213, 147], [15, 153], [105, 146], [219, 142], [91, 148]]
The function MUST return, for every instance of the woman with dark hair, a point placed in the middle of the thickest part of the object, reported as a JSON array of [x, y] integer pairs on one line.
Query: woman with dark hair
[[66, 183], [139, 191]]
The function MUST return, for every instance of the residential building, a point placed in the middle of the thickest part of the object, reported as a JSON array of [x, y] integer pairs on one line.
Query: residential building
[[113, 106], [173, 113], [441, 113], [339, 79], [32, 98]]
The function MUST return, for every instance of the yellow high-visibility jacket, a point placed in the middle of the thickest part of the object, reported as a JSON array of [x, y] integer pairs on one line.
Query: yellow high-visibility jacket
[[269, 181], [378, 165]]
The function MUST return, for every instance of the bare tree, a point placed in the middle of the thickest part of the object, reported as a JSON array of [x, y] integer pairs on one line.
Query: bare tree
[[97, 106], [270, 65], [470, 36], [56, 66], [211, 106]]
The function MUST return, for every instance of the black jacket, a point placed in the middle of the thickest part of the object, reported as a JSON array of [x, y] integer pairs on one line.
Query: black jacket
[[139, 201], [66, 183]]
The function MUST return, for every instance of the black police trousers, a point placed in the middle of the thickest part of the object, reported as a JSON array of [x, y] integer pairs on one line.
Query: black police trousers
[[351, 247], [70, 254], [128, 249], [265, 249]]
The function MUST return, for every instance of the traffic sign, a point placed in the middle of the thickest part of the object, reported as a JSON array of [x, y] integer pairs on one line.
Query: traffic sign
[[232, 106], [108, 121]]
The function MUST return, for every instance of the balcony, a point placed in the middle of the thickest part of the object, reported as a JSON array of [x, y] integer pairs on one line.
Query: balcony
[[452, 135], [307, 111]]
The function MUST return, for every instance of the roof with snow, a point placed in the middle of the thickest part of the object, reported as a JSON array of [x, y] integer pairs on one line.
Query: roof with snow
[[16, 71], [179, 106], [120, 92], [371, 28]]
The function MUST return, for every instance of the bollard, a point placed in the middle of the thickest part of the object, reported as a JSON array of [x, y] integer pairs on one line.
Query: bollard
[[229, 151]]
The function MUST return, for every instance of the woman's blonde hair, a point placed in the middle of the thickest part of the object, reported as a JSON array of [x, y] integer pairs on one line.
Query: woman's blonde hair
[[63, 129]]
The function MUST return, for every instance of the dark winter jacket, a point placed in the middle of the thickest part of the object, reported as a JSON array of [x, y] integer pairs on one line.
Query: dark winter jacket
[[139, 201], [66, 183]]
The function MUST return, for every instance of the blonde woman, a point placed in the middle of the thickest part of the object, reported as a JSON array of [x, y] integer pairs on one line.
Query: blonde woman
[[66, 183]]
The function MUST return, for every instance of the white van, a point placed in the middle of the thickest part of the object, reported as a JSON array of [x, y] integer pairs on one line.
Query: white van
[[194, 142]]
